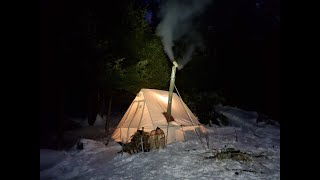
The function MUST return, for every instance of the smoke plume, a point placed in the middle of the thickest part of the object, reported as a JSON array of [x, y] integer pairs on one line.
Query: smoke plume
[[177, 22]]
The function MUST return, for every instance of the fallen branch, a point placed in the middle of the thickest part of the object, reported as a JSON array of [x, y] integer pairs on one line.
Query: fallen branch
[[246, 170], [231, 153], [259, 155]]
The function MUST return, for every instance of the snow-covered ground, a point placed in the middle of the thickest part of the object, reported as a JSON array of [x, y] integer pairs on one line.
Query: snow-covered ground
[[181, 160]]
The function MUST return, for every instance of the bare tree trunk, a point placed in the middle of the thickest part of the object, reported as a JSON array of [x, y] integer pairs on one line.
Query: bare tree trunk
[[92, 106], [60, 118], [108, 116]]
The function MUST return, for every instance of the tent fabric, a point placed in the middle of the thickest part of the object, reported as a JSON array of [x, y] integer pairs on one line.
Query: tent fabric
[[146, 110]]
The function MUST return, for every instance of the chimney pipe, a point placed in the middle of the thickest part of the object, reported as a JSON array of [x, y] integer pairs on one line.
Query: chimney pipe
[[173, 76]]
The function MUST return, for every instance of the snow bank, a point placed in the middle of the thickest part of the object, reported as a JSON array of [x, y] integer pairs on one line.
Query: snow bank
[[239, 118], [49, 158]]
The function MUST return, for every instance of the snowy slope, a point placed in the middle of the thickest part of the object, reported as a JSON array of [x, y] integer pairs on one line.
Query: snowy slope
[[181, 160], [49, 158]]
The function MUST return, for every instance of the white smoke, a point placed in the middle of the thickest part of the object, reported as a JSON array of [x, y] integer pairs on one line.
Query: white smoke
[[177, 21], [186, 58]]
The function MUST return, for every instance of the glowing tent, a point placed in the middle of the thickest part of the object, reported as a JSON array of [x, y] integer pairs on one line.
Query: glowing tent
[[148, 110]]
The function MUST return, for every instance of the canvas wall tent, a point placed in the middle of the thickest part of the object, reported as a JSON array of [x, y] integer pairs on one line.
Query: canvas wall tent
[[147, 110]]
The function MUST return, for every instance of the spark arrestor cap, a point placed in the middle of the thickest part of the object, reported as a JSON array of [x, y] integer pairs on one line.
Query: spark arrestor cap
[[175, 63]]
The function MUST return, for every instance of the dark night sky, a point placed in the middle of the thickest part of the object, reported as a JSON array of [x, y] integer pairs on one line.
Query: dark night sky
[[244, 47], [243, 41]]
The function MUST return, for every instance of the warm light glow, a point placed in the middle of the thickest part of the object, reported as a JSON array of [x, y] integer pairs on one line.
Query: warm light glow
[[164, 99]]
